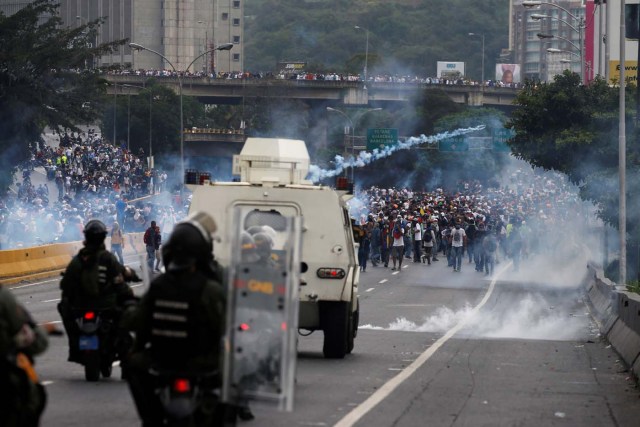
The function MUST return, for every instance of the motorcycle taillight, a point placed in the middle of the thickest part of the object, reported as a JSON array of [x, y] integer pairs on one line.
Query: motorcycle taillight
[[89, 315], [181, 385]]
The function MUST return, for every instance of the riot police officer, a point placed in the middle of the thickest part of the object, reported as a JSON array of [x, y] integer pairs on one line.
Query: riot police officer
[[22, 397], [179, 322], [93, 280]]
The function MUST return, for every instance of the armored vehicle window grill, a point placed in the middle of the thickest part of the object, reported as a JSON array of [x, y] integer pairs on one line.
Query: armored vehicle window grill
[[272, 218]]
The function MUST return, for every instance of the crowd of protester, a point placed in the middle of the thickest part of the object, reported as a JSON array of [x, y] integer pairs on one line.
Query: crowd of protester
[[86, 177], [479, 223], [307, 76]]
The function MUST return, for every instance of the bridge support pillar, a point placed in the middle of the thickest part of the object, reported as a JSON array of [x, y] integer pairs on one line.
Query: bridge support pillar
[[475, 99], [356, 96]]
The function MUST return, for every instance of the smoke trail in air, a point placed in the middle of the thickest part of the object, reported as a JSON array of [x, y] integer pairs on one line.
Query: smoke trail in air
[[365, 157]]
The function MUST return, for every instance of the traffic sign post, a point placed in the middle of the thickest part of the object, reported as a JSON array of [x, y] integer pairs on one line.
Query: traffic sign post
[[380, 138]]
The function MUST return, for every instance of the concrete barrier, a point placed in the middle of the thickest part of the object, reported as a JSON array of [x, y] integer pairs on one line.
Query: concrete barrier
[[602, 296], [618, 313], [39, 262]]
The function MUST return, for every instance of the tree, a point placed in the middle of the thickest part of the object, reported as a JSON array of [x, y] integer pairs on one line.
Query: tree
[[43, 81], [573, 128]]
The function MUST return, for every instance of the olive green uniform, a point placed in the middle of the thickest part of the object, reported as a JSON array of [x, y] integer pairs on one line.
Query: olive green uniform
[[178, 325], [22, 400], [86, 287]]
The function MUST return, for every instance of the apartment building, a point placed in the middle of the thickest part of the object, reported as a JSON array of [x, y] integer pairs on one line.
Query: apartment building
[[181, 31], [547, 37]]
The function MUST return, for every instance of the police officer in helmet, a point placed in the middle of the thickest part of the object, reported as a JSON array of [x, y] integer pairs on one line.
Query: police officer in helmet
[[22, 397], [94, 279], [179, 322]]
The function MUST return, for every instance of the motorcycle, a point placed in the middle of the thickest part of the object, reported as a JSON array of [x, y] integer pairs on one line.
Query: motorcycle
[[189, 399], [97, 342]]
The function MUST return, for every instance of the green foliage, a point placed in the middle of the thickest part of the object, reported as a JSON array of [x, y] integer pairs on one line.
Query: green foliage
[[634, 286], [41, 79], [571, 128], [561, 125], [151, 116], [405, 37]]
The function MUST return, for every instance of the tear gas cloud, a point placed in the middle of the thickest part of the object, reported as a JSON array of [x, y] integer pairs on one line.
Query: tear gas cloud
[[543, 299], [365, 158]]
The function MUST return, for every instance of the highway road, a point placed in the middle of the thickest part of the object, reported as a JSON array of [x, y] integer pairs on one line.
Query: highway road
[[435, 348]]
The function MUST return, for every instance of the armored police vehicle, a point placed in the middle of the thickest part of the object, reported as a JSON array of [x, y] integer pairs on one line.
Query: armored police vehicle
[[272, 186]]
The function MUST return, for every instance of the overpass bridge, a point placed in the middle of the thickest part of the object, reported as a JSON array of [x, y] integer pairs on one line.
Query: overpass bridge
[[234, 91]]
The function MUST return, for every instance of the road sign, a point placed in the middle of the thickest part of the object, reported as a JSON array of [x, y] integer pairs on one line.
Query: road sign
[[500, 138], [457, 143], [381, 137]]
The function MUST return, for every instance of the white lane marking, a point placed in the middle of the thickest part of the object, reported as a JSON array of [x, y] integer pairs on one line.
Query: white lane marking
[[395, 369], [369, 290], [135, 286], [387, 388], [405, 266], [116, 363], [53, 321], [51, 300], [383, 281], [395, 272], [34, 284], [311, 423], [46, 382]]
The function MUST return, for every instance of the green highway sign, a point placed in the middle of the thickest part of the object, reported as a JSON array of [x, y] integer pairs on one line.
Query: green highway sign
[[500, 138], [457, 143], [381, 137]]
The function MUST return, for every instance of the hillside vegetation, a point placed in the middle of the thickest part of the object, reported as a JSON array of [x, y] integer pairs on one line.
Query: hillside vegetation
[[405, 37]]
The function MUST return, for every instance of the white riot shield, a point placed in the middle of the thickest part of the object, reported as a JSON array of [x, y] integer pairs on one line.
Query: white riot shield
[[262, 320]]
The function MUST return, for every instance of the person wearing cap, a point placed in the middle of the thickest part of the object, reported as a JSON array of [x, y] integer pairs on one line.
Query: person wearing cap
[[180, 321], [85, 286]]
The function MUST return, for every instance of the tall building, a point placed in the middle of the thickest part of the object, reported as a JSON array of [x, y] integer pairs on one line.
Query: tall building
[[180, 30], [547, 37]]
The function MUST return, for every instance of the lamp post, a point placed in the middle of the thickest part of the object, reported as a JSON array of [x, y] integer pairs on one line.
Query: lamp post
[[206, 46], [579, 29], [353, 130], [129, 87], [366, 53], [226, 46], [481, 36], [622, 154]]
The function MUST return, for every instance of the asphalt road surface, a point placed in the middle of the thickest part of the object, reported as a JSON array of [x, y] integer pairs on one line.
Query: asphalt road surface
[[434, 348]]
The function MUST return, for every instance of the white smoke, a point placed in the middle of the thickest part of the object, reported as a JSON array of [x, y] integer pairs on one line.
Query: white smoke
[[365, 158], [532, 316]]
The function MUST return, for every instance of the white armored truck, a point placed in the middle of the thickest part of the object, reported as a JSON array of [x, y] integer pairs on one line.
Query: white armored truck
[[272, 183]]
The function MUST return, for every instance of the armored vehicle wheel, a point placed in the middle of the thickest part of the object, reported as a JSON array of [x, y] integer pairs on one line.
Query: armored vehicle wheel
[[335, 319]]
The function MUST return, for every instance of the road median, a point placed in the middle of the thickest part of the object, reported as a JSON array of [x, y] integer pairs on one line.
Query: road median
[[39, 262]]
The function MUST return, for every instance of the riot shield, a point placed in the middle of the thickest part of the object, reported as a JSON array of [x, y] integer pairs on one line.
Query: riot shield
[[262, 316]]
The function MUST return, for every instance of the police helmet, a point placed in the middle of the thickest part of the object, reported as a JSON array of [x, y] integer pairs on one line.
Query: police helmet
[[190, 242], [95, 232], [264, 244], [255, 229], [248, 250]]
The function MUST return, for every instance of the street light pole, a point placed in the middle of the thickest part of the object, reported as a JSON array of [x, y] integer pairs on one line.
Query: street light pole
[[622, 154], [366, 53], [115, 107], [482, 36], [226, 46], [353, 131]]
